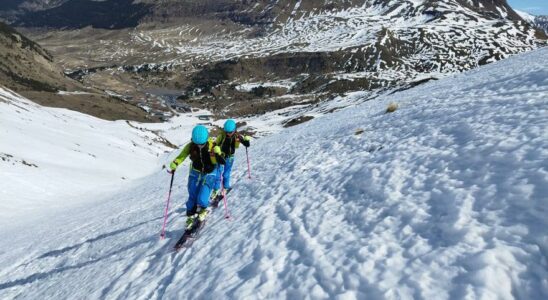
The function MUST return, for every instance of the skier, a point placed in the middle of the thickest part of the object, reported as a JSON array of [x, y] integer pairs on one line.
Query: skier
[[228, 140], [205, 157]]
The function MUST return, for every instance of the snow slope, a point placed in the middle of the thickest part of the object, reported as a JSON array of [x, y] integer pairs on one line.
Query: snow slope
[[53, 158], [51, 155], [446, 198]]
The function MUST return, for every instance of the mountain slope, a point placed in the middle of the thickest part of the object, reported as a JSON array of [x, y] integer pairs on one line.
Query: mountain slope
[[378, 46], [293, 53], [25, 64], [110, 14], [127, 13], [444, 198], [542, 22], [48, 154], [31, 70]]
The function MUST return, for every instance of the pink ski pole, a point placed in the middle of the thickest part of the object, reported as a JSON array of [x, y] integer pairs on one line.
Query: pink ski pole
[[248, 164], [163, 234], [227, 214]]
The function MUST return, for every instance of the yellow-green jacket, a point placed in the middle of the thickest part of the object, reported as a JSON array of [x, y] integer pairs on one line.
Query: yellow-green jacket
[[203, 159], [229, 144]]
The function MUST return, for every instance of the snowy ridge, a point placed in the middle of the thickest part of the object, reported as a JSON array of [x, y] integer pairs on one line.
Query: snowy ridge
[[444, 198], [526, 16]]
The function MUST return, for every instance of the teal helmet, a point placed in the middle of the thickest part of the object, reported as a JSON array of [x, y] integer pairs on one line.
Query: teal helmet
[[199, 135], [230, 125]]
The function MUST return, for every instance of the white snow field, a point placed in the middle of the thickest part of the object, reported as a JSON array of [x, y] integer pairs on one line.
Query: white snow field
[[50, 157], [445, 198]]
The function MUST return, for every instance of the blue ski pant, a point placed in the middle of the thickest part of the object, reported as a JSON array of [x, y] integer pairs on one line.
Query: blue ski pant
[[199, 187], [224, 171]]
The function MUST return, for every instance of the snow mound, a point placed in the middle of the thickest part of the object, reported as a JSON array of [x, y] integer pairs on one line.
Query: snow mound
[[445, 198]]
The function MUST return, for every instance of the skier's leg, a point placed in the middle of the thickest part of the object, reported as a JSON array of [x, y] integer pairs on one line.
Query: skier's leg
[[206, 186], [218, 173], [227, 171], [193, 189]]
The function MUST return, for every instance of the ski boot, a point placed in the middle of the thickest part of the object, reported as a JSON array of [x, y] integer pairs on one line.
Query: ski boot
[[190, 220], [202, 215], [214, 201], [214, 194]]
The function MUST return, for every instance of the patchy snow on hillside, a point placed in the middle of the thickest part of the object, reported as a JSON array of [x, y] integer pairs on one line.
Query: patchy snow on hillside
[[358, 28], [248, 87], [445, 198]]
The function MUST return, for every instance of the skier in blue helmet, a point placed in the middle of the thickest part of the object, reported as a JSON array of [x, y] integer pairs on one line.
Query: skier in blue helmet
[[228, 140], [205, 158]]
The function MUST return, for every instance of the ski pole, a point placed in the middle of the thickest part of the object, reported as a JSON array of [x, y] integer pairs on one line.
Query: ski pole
[[163, 234], [248, 164], [227, 215]]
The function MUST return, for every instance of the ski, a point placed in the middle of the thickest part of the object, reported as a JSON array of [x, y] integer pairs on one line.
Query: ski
[[189, 236]]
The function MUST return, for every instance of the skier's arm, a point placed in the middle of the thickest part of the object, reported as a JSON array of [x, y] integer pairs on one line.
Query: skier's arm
[[219, 141], [244, 140], [180, 158], [218, 155]]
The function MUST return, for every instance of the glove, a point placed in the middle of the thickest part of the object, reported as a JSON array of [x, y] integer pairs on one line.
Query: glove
[[245, 140], [217, 150], [173, 166]]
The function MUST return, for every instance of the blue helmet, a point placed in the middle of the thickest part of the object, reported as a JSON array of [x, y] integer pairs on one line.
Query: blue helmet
[[230, 125], [199, 135]]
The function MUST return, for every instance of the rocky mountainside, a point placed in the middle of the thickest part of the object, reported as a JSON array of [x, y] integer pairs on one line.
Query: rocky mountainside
[[126, 13], [24, 65], [266, 55], [111, 14], [115, 13], [30, 70], [542, 23]]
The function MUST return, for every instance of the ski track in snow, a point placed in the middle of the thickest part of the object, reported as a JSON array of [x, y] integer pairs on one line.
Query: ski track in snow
[[446, 198]]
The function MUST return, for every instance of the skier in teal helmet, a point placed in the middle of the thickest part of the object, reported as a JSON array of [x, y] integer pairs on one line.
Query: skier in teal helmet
[[228, 141], [205, 157]]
